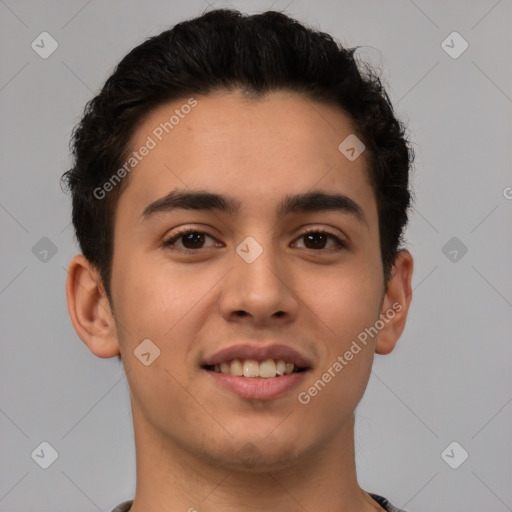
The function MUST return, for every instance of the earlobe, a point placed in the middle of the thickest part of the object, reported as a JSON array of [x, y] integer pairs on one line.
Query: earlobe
[[395, 305], [89, 309]]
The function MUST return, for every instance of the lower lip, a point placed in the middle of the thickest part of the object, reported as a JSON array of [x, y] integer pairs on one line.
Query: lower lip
[[258, 389]]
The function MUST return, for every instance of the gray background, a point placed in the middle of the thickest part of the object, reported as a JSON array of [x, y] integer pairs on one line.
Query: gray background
[[450, 377]]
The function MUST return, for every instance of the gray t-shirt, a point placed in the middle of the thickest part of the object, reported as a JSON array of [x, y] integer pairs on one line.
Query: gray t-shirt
[[383, 502]]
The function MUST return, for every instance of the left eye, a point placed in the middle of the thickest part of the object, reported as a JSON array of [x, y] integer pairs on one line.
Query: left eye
[[319, 240]]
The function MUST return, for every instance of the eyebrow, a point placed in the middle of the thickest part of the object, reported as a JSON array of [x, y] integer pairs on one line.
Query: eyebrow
[[209, 201]]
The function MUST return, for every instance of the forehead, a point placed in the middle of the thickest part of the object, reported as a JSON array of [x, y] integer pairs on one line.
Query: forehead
[[255, 149]]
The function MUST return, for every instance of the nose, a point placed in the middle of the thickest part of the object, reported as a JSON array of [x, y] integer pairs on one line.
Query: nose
[[259, 293]]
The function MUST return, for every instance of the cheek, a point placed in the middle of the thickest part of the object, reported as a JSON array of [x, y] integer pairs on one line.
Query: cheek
[[157, 303], [149, 305], [355, 308], [344, 304], [344, 312], [343, 301], [157, 300]]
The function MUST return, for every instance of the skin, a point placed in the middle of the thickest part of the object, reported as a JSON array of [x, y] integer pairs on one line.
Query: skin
[[190, 434]]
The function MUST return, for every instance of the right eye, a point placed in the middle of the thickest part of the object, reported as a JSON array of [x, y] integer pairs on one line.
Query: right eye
[[189, 240]]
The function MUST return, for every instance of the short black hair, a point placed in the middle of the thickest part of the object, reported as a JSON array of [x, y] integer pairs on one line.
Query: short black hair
[[224, 49]]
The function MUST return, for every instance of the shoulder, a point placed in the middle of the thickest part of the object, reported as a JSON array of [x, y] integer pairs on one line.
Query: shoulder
[[123, 507], [383, 502]]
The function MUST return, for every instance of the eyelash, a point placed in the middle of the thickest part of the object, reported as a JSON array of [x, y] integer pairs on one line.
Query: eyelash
[[340, 243]]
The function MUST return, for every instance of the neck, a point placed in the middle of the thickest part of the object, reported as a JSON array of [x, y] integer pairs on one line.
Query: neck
[[170, 478]]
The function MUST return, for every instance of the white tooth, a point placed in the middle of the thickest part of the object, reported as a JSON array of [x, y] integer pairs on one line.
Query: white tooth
[[280, 367], [217, 368], [251, 368], [236, 368], [289, 368], [267, 369], [224, 367]]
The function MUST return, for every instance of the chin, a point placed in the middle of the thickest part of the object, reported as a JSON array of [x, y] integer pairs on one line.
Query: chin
[[257, 455]]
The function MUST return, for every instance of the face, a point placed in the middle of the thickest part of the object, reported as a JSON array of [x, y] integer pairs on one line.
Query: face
[[277, 261]]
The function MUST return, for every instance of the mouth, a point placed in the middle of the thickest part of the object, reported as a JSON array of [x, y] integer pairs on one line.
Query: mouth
[[257, 372], [253, 369]]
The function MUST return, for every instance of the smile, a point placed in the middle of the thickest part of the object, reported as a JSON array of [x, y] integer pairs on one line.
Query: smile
[[250, 368]]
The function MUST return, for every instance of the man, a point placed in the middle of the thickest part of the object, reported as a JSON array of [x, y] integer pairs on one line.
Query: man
[[240, 189]]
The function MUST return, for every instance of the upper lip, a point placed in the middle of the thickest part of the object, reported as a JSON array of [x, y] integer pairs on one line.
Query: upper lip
[[258, 353]]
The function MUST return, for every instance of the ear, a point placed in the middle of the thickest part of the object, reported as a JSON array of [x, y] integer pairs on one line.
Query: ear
[[89, 309], [395, 304]]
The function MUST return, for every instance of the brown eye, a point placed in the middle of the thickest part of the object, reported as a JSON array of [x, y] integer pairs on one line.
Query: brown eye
[[318, 240], [315, 240], [188, 240], [193, 240]]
